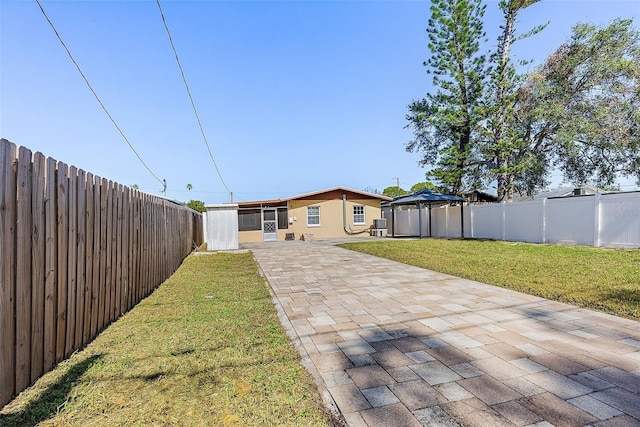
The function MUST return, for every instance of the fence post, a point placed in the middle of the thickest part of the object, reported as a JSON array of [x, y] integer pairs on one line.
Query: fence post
[[118, 252], [446, 221], [81, 278], [23, 271], [50, 266], [72, 259], [108, 281], [7, 270], [544, 220], [95, 276], [102, 277], [596, 220], [503, 219], [37, 267], [84, 253], [62, 184], [461, 220]]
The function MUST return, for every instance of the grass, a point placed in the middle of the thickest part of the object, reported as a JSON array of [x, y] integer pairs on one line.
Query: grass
[[206, 348], [597, 278]]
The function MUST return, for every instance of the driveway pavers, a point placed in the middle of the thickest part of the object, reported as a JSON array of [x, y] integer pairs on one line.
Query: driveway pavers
[[391, 344]]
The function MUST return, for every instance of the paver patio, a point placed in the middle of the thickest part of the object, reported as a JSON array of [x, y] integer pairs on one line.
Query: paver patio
[[396, 345]]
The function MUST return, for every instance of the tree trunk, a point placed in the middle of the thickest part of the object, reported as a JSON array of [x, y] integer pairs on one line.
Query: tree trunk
[[505, 179]]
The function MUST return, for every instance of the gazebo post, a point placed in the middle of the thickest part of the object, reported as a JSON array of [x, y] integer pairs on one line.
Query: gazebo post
[[430, 230], [419, 218], [393, 221], [462, 219]]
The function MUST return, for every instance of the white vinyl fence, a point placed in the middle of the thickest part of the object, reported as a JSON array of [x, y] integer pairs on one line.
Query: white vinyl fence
[[611, 220]]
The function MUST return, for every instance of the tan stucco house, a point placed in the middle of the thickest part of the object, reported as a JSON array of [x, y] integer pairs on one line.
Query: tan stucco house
[[330, 213]]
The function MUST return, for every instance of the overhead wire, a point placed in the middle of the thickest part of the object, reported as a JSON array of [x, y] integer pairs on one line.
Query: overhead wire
[[193, 105], [86, 80]]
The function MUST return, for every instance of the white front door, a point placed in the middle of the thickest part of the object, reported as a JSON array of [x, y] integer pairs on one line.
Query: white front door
[[269, 225]]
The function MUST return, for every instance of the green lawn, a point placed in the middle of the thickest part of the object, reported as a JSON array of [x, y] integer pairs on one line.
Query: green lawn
[[206, 348], [598, 278]]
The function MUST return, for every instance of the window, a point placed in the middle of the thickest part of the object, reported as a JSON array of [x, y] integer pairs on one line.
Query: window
[[283, 218], [358, 215], [313, 215], [249, 220]]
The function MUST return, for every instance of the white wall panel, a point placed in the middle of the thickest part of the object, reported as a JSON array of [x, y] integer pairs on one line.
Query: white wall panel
[[221, 227], [439, 222], [454, 225], [403, 223], [620, 220], [486, 222], [570, 220], [523, 221], [414, 215]]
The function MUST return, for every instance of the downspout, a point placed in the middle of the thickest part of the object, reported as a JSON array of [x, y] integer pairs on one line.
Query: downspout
[[344, 218], [344, 212]]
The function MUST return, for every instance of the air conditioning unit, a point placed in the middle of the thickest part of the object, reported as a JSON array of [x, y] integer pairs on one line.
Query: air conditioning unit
[[380, 223]]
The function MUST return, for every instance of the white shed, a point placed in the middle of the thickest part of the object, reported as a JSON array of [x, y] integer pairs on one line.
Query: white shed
[[221, 226]]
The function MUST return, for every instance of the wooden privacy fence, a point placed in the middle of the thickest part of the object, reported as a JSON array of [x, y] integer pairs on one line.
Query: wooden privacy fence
[[76, 252]]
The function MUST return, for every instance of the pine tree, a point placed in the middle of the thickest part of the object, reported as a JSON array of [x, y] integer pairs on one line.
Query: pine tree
[[445, 122]]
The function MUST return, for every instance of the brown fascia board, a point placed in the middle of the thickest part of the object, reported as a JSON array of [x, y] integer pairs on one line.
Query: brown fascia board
[[338, 189], [311, 195], [260, 203]]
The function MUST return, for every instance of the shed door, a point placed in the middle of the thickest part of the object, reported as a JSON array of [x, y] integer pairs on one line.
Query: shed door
[[269, 225]]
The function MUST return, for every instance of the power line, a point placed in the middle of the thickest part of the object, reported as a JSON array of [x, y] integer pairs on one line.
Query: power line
[[193, 105], [97, 98]]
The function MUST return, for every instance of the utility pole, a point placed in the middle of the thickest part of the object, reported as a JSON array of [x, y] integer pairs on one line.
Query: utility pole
[[397, 186]]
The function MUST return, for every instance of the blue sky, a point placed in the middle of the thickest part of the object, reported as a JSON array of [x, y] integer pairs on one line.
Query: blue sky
[[294, 96]]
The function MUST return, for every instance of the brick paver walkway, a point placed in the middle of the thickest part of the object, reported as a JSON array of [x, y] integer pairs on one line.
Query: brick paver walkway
[[396, 345]]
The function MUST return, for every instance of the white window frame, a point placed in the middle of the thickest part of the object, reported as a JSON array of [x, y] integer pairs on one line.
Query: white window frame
[[359, 214], [310, 215]]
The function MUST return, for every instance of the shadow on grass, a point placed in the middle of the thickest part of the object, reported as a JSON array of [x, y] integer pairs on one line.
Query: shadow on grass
[[51, 399], [625, 295]]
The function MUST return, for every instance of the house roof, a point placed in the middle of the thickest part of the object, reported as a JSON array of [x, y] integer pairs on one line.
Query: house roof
[[270, 202], [480, 196], [424, 196], [316, 193], [568, 191], [560, 192], [332, 189]]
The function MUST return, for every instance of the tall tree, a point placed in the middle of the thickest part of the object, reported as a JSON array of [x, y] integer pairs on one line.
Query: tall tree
[[504, 138], [427, 185], [580, 110], [394, 191], [445, 122], [197, 205]]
